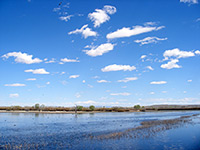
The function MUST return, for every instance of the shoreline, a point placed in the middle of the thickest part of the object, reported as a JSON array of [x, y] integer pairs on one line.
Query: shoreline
[[51, 112], [84, 112]]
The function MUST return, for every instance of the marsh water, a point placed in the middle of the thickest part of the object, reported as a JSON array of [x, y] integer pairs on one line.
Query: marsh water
[[70, 131]]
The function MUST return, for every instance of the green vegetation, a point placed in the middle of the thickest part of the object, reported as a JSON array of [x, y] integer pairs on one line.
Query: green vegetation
[[79, 108], [137, 107], [92, 108]]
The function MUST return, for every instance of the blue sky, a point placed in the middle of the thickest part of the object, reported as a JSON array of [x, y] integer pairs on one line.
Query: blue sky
[[102, 53]]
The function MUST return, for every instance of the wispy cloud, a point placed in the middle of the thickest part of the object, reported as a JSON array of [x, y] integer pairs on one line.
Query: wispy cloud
[[103, 81], [64, 60], [15, 95], [149, 40], [158, 82], [190, 1], [135, 30], [15, 84], [128, 79], [120, 94]]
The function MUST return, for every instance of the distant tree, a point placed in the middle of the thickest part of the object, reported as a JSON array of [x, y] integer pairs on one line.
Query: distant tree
[[92, 108], [79, 108], [37, 106], [42, 106], [137, 106]]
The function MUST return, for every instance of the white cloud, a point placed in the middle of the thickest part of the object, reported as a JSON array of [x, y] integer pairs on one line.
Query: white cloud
[[66, 18], [31, 79], [85, 31], [164, 91], [103, 81], [127, 31], [100, 50], [152, 93], [15, 84], [189, 80], [171, 64], [158, 82], [48, 83], [115, 67], [197, 52], [78, 95], [22, 58], [128, 79], [37, 71], [101, 15], [190, 1], [74, 76], [177, 54], [122, 94], [69, 60], [149, 40], [83, 81], [149, 67], [53, 60], [143, 56], [15, 95]]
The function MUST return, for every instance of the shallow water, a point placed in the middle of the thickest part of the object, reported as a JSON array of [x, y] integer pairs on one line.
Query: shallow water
[[69, 131]]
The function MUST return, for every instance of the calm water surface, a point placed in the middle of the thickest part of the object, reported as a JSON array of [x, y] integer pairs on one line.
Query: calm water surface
[[69, 131]]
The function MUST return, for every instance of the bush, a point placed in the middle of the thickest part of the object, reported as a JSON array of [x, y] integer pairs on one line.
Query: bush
[[92, 108]]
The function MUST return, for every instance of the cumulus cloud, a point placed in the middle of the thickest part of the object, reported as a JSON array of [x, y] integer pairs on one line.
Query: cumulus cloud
[[128, 79], [74, 76], [37, 71], [197, 52], [149, 40], [190, 1], [69, 60], [15, 95], [103, 81], [31, 79], [101, 15], [189, 80], [85, 31], [66, 18], [100, 50], [177, 53], [22, 58], [121, 94], [149, 67], [158, 82], [15, 84], [115, 67], [135, 30], [171, 64]]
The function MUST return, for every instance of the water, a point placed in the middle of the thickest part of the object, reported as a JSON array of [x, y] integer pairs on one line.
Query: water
[[69, 131]]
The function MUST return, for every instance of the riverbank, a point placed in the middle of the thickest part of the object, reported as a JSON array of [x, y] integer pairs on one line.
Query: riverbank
[[51, 112]]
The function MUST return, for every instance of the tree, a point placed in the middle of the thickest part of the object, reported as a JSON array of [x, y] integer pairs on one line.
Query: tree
[[79, 108], [92, 108], [37, 106], [137, 106]]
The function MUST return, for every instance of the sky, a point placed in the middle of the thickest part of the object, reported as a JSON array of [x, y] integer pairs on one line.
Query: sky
[[99, 52]]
